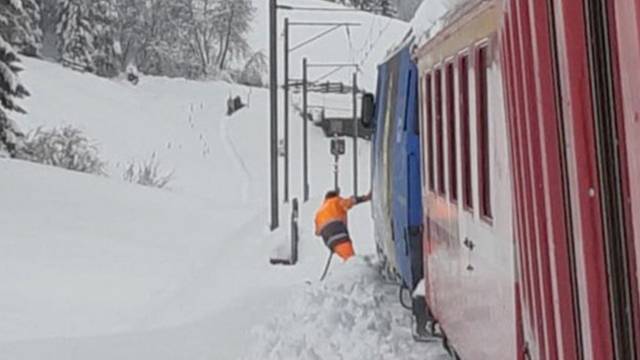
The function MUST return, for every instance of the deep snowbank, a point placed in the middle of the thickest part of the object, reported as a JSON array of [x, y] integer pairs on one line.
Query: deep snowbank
[[88, 257], [352, 315]]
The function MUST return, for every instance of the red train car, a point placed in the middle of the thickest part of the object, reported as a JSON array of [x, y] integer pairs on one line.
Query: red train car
[[530, 129], [467, 197], [568, 66]]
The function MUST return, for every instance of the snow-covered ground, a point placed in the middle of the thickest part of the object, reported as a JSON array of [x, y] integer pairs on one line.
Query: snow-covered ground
[[353, 315], [97, 268]]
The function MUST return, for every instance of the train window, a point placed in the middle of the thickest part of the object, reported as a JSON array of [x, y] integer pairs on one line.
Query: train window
[[451, 133], [420, 130], [429, 129], [416, 116], [465, 129], [407, 100], [439, 132], [484, 169]]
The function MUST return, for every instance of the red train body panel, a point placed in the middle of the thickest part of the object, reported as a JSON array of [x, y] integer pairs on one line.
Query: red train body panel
[[574, 231], [468, 238], [530, 119]]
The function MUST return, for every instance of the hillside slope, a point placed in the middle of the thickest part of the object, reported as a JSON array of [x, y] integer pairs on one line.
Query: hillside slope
[[105, 269], [97, 268]]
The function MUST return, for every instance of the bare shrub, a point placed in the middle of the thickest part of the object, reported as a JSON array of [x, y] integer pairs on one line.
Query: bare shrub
[[255, 71], [148, 173], [65, 147]]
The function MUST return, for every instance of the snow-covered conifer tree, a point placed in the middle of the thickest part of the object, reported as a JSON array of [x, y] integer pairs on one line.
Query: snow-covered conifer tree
[[104, 18], [10, 90], [75, 35], [20, 25], [132, 30], [407, 8], [387, 8]]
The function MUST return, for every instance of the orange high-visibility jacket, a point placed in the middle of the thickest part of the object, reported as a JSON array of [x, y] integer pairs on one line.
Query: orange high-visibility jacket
[[332, 210]]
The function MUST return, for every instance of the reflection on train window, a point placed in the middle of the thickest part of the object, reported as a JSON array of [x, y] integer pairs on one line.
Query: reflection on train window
[[484, 171], [463, 75], [439, 132], [429, 129], [407, 100], [416, 114], [451, 133]]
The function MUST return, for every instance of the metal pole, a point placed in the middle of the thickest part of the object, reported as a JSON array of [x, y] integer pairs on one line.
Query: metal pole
[[273, 87], [286, 110], [355, 134], [305, 148], [335, 173]]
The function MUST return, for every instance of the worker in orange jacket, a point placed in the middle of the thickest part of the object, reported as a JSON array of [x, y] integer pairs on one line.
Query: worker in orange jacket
[[331, 222]]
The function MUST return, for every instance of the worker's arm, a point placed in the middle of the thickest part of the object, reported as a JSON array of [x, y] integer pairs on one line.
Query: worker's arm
[[362, 199], [355, 200], [348, 203]]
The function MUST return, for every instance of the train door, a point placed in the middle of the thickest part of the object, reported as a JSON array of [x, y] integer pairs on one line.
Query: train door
[[573, 174], [529, 188], [407, 201], [594, 173], [399, 169], [626, 47], [414, 178]]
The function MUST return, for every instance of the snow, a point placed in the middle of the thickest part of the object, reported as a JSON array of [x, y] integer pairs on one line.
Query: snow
[[324, 319], [16, 4], [96, 268], [430, 17], [420, 289]]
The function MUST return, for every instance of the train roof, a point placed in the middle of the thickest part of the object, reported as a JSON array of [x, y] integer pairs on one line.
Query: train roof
[[407, 40], [431, 17], [434, 15]]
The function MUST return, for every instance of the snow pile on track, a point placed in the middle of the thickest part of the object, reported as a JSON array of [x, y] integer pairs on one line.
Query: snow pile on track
[[352, 315]]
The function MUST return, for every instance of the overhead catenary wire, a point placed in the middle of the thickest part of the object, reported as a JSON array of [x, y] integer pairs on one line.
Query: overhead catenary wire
[[370, 50], [314, 38], [328, 74], [351, 53], [322, 9]]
